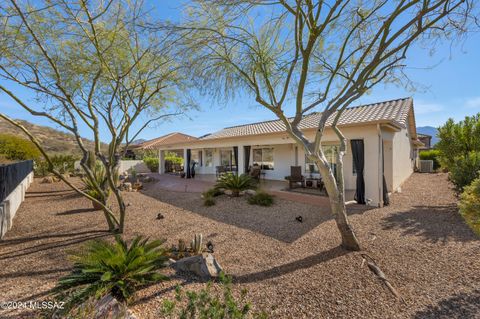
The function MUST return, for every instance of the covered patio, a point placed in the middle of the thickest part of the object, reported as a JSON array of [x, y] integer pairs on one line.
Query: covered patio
[[203, 182]]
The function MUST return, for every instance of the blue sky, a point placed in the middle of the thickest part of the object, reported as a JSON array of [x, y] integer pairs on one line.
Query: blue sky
[[449, 86]]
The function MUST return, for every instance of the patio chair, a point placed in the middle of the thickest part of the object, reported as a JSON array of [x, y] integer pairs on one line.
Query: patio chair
[[220, 170], [255, 172], [295, 177]]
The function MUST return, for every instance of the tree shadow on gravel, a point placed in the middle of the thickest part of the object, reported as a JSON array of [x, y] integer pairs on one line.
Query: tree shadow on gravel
[[433, 223], [32, 194], [72, 240], [77, 211], [73, 233], [459, 306], [284, 269], [18, 274]]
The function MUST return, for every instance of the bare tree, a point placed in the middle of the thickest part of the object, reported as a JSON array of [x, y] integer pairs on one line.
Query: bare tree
[[93, 68], [307, 55]]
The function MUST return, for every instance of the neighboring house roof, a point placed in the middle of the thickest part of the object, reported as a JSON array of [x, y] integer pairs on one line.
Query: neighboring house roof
[[423, 135], [172, 138], [395, 112]]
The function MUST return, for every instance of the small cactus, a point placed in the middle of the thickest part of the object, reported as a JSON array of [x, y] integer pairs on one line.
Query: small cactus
[[197, 244], [182, 247]]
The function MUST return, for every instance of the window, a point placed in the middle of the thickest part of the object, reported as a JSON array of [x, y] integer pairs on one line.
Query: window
[[208, 158], [331, 155], [227, 158], [195, 157], [263, 157]]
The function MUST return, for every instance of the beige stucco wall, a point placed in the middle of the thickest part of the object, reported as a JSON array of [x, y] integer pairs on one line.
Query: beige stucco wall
[[403, 158]]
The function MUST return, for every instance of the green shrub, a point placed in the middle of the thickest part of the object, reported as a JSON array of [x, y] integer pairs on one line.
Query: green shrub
[[432, 155], [115, 268], [470, 205], [16, 148], [465, 170], [235, 183], [152, 163], [458, 139], [261, 199], [208, 201], [62, 163], [213, 192], [173, 158], [209, 304]]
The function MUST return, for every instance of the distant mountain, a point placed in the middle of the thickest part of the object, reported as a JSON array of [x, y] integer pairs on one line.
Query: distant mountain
[[54, 141], [429, 130], [139, 141]]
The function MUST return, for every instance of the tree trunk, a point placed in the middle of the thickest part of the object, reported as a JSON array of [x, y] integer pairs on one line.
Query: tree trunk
[[349, 239], [337, 204]]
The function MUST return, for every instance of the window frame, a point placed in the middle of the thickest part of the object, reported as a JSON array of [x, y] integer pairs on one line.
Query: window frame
[[263, 162], [206, 151]]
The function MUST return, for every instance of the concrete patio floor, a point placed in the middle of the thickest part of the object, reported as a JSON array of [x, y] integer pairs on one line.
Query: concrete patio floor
[[202, 183]]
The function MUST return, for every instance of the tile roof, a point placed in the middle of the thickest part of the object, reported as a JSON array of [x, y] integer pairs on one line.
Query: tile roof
[[394, 111], [172, 138]]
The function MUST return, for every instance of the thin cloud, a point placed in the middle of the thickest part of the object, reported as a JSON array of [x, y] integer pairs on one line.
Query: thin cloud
[[473, 103], [425, 107]]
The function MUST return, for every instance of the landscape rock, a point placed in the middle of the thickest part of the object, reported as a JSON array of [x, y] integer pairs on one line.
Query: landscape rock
[[107, 307], [127, 186], [251, 192], [147, 179], [204, 266], [137, 186], [47, 180], [228, 192]]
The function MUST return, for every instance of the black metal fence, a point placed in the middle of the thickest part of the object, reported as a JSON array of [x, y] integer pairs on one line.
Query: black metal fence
[[11, 175]]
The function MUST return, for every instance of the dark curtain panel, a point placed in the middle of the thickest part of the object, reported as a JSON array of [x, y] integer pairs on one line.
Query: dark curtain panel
[[359, 162], [189, 157], [386, 199], [247, 158], [235, 155]]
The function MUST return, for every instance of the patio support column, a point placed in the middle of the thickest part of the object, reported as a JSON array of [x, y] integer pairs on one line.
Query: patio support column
[[241, 160], [161, 161], [185, 161]]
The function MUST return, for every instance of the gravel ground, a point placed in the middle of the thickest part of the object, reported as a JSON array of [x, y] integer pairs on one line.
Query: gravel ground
[[291, 269]]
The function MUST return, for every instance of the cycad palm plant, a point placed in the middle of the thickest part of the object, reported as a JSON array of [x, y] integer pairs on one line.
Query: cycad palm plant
[[235, 183], [114, 268]]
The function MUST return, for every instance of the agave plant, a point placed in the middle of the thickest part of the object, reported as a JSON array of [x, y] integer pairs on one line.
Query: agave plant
[[235, 183], [99, 178], [116, 268]]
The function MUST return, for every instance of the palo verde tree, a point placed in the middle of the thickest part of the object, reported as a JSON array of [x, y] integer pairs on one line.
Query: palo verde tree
[[93, 68], [310, 55]]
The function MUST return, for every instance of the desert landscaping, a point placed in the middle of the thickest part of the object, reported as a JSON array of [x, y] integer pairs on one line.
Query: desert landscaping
[[290, 269]]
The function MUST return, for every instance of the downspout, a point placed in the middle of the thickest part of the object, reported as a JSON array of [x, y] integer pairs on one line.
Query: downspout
[[380, 167]]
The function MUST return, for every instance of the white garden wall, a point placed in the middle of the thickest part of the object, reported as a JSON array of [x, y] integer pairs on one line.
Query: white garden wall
[[9, 207]]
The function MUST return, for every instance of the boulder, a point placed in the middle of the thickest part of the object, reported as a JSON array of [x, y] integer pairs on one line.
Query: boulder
[[137, 186], [109, 308], [204, 266], [127, 186], [47, 180], [147, 179], [228, 192], [251, 192]]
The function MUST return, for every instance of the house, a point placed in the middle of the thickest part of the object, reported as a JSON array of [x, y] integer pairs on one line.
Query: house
[[384, 134], [135, 151], [426, 141]]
